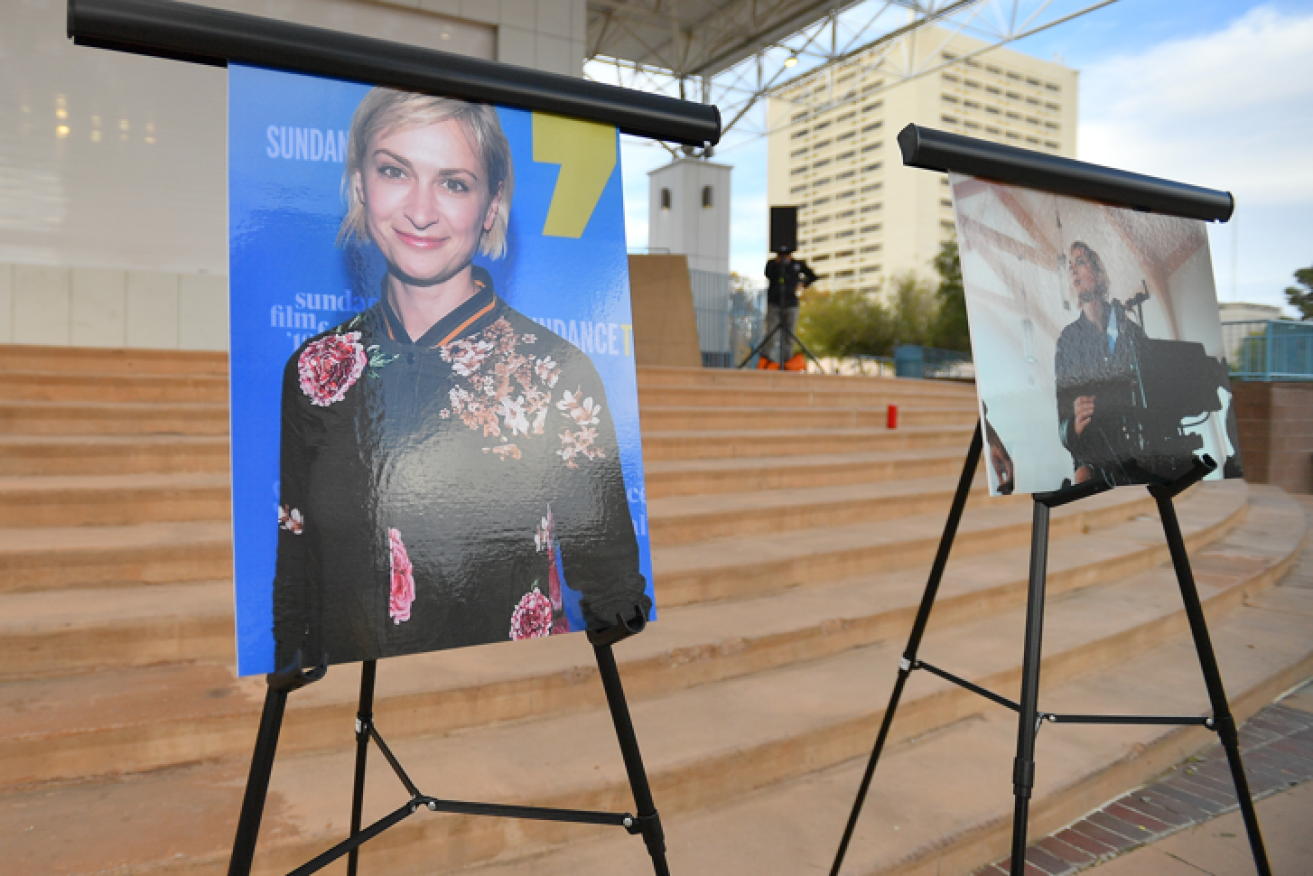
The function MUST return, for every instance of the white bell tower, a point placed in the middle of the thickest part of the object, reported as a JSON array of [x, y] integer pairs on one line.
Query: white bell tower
[[688, 212]]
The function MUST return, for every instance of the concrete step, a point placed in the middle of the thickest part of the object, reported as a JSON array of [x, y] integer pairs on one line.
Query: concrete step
[[751, 565], [714, 749], [689, 444], [74, 557], [59, 386], [677, 520], [871, 398], [706, 477], [99, 360], [743, 419], [32, 455], [55, 732], [53, 635], [652, 377], [113, 500], [101, 418], [941, 801]]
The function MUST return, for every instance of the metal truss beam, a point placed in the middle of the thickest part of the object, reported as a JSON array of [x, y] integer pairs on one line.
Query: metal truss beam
[[737, 68]]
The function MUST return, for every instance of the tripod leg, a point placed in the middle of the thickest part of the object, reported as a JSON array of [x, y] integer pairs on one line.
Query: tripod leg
[[914, 640], [1222, 718], [1023, 768], [364, 722], [757, 349], [649, 821], [257, 782]]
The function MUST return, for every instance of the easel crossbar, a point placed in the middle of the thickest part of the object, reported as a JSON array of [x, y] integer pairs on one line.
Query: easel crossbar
[[971, 686], [1166, 720], [1058, 718], [392, 760], [420, 800], [351, 844]]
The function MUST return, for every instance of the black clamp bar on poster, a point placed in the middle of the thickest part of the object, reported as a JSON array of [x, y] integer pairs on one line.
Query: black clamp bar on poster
[[215, 37], [930, 149]]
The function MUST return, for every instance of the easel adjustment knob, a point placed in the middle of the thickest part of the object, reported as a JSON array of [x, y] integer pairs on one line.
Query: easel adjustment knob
[[644, 824]]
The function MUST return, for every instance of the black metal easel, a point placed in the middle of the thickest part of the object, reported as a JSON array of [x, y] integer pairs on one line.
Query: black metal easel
[[1029, 715], [646, 823], [779, 327]]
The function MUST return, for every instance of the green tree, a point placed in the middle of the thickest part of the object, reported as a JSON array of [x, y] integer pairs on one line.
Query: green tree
[[844, 323], [1302, 299], [914, 310], [950, 330]]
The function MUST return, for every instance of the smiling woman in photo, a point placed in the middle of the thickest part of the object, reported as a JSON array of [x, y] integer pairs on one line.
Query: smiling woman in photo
[[449, 467]]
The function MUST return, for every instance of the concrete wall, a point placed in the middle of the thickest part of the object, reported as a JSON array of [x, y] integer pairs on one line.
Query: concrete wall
[[1276, 433], [665, 327], [113, 167], [104, 307]]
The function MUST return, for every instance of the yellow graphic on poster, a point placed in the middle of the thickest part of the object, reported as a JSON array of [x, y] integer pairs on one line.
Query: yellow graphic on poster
[[586, 152]]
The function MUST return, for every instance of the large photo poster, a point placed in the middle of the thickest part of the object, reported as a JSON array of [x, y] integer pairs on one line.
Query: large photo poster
[[435, 435], [1096, 339]]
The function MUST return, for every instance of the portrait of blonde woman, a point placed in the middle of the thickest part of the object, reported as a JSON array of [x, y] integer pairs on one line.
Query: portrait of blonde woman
[[448, 466]]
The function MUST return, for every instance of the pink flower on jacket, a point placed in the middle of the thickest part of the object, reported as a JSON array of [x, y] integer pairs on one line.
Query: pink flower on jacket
[[532, 618], [290, 519], [330, 366], [403, 580]]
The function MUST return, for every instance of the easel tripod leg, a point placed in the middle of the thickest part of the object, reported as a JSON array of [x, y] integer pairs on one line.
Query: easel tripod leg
[[257, 783], [364, 723], [1023, 768], [914, 640], [648, 819], [1222, 717]]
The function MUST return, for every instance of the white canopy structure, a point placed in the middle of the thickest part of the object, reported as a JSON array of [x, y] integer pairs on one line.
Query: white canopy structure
[[736, 52]]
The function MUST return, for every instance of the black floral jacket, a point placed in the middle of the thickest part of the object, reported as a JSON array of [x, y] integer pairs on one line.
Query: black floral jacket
[[433, 492]]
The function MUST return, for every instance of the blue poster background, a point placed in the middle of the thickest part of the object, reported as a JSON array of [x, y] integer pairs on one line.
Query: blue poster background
[[288, 281]]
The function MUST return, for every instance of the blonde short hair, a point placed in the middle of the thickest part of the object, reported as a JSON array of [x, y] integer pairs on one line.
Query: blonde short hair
[[384, 109], [1096, 266]]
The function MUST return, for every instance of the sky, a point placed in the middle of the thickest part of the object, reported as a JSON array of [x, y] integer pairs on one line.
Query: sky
[[1216, 93]]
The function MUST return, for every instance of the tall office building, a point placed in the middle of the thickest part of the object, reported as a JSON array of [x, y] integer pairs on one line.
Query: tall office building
[[833, 150]]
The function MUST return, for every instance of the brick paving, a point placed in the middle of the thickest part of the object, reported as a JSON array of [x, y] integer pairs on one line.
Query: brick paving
[[1276, 746]]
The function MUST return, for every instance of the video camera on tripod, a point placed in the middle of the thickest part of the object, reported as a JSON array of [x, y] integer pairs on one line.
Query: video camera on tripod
[[1172, 386]]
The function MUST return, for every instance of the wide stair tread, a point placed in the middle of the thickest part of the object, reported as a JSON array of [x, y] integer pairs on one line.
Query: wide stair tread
[[673, 445], [808, 545], [690, 646], [121, 418], [704, 377], [705, 747], [802, 461], [102, 360], [109, 538], [695, 477], [14, 487], [876, 396], [942, 797], [40, 455], [75, 557], [57, 386]]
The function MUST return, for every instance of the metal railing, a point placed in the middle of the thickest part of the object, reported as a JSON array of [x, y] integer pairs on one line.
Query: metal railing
[[930, 362], [729, 322], [1269, 350]]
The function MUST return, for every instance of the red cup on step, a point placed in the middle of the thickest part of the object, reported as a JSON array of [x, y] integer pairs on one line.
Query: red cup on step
[[893, 417]]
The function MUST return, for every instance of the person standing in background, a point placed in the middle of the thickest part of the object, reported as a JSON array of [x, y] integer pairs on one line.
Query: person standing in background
[[783, 276]]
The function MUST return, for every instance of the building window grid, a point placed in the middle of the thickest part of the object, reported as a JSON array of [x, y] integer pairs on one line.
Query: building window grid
[[946, 225]]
